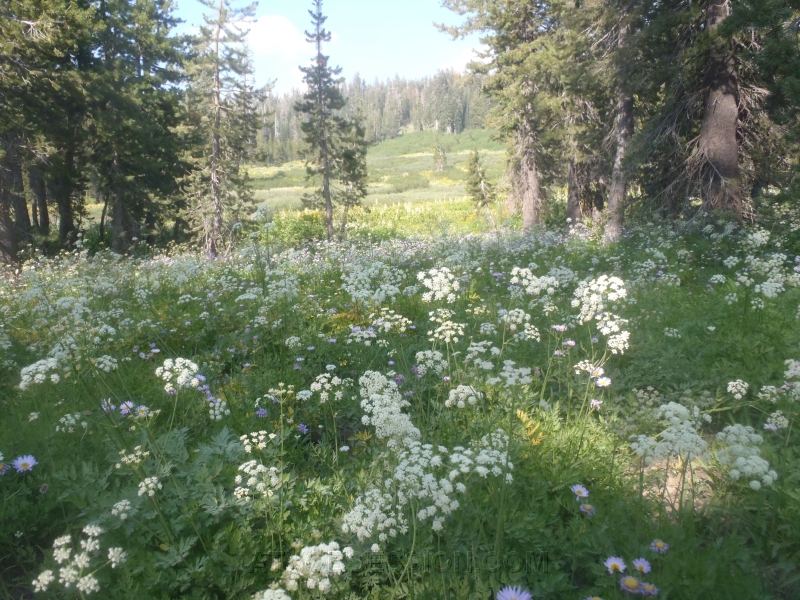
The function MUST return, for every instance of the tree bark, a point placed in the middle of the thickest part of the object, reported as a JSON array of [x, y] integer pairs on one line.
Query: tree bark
[[39, 199], [22, 218], [619, 182], [574, 215], [8, 233], [526, 180], [215, 234], [718, 146]]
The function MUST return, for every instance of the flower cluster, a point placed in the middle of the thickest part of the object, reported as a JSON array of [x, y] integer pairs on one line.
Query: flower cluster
[[180, 372], [383, 407], [257, 478], [441, 283], [429, 476], [39, 372], [328, 384], [511, 375], [149, 486], [742, 457], [77, 569], [738, 388], [463, 395], [316, 565], [430, 361]]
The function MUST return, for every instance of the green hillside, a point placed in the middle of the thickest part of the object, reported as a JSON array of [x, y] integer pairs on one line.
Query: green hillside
[[401, 170]]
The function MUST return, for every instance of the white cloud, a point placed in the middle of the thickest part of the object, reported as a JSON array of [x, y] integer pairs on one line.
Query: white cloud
[[459, 62], [278, 49]]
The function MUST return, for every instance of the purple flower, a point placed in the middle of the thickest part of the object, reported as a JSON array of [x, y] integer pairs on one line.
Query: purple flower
[[588, 509], [596, 404], [302, 428], [311, 348], [579, 491], [126, 407], [390, 363], [630, 584], [331, 340], [261, 413], [247, 365], [641, 565], [659, 546], [399, 379], [297, 366], [24, 463], [200, 378], [558, 353], [648, 589], [560, 327], [513, 593], [107, 405], [446, 378], [408, 394]]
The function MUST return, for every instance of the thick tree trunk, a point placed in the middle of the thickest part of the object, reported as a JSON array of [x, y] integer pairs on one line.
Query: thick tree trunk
[[60, 186], [619, 183], [574, 215], [123, 225], [22, 218], [526, 181], [8, 232], [718, 145], [39, 199]]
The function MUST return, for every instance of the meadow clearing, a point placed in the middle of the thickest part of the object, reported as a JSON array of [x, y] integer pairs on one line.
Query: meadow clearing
[[431, 409]]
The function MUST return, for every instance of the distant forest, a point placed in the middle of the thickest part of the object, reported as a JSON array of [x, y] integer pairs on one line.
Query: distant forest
[[446, 102]]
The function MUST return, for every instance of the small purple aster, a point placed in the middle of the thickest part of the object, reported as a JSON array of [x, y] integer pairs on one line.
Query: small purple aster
[[588, 509], [630, 584], [641, 565], [302, 428], [261, 413], [24, 463], [331, 340], [126, 407], [446, 378], [107, 405], [579, 491], [311, 348], [4, 468], [390, 363], [513, 593], [659, 546], [648, 589]]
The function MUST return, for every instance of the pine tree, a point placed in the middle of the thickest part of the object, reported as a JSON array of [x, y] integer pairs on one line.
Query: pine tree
[[222, 110], [329, 135], [439, 157], [479, 188], [352, 170]]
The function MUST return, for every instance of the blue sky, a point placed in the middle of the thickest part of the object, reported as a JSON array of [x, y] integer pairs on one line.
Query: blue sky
[[375, 38]]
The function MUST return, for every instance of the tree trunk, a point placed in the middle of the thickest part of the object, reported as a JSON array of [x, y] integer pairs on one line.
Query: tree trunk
[[214, 235], [718, 146], [526, 181], [39, 199], [574, 215], [123, 225], [60, 186], [22, 218], [619, 183], [8, 233]]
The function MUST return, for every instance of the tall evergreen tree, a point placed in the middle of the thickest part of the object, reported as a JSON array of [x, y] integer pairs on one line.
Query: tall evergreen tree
[[327, 133], [222, 110], [479, 189]]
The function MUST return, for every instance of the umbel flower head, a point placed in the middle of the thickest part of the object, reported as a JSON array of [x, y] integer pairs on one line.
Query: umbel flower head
[[513, 593]]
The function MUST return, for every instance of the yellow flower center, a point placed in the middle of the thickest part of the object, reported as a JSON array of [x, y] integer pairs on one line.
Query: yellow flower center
[[630, 583], [615, 567]]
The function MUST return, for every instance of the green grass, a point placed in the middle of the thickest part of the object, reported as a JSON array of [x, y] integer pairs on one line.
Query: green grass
[[401, 170]]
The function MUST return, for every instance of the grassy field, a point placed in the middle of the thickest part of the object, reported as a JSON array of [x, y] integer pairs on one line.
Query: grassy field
[[401, 171]]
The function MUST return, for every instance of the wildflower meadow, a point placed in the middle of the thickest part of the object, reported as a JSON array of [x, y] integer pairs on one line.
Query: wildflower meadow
[[491, 414]]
